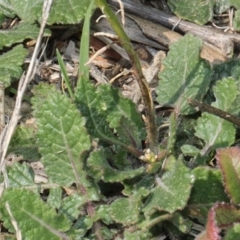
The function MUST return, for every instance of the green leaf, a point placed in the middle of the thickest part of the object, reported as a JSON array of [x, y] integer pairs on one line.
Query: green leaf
[[207, 189], [102, 212], [7, 9], [35, 219], [227, 69], [182, 224], [2, 17], [62, 136], [29, 10], [100, 169], [145, 185], [233, 233], [228, 161], [189, 150], [198, 11], [125, 210], [172, 190], [64, 73], [73, 204], [225, 214], [18, 33], [105, 110], [184, 70], [10, 64], [68, 12], [62, 11], [84, 44], [79, 229], [122, 116], [20, 175], [94, 109], [212, 230], [55, 197], [215, 131], [137, 234], [24, 143], [221, 6]]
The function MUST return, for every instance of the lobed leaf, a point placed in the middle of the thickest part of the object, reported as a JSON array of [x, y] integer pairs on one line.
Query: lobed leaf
[[34, 218], [106, 110], [184, 75], [18, 33], [10, 64], [73, 205], [100, 169], [172, 191], [228, 160], [62, 136]]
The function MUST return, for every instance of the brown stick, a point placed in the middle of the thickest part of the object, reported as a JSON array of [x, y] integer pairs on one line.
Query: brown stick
[[203, 107]]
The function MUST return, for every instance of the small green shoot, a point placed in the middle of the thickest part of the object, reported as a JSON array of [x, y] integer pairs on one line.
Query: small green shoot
[[65, 75]]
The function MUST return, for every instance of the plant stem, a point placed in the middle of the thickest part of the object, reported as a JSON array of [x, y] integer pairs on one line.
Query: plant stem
[[137, 71]]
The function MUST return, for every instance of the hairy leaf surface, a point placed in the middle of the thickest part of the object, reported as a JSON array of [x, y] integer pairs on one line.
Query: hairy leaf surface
[[184, 75], [24, 143], [20, 175], [62, 136], [62, 11], [172, 190], [106, 110], [19, 33], [217, 132], [125, 210], [10, 64], [33, 216], [100, 169], [198, 11], [207, 189], [228, 160]]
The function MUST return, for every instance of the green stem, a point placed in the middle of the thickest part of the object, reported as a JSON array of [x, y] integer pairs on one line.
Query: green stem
[[137, 71], [172, 133], [65, 75]]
